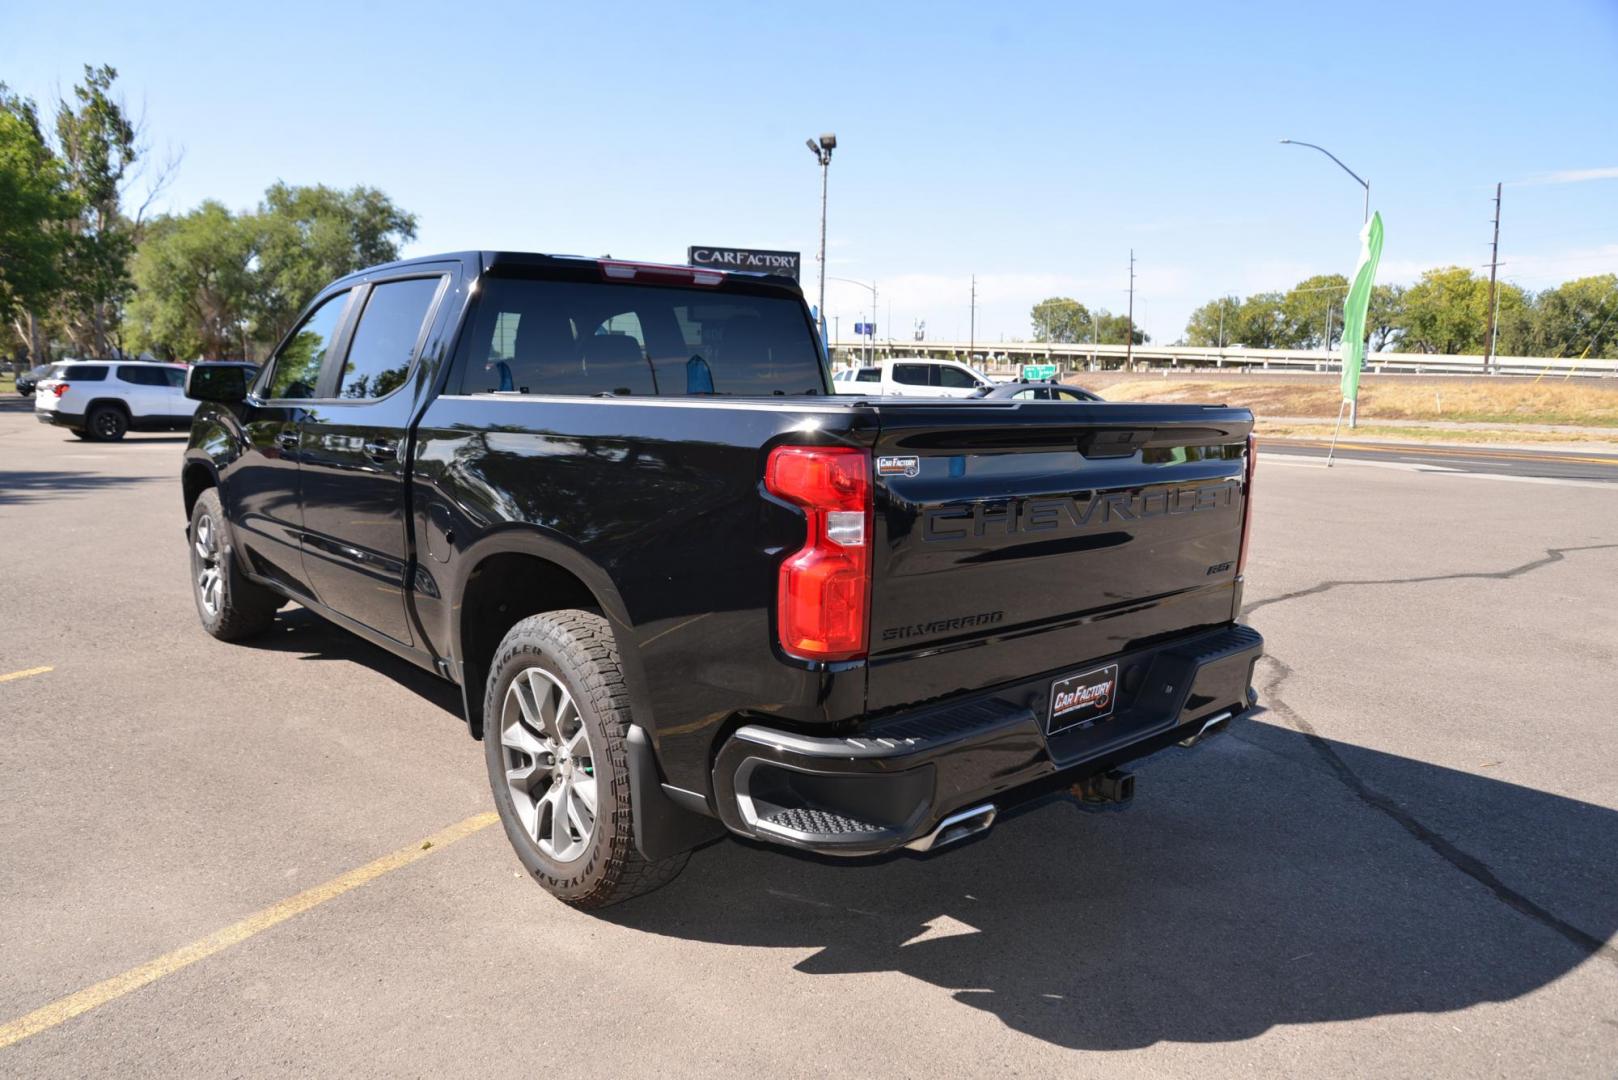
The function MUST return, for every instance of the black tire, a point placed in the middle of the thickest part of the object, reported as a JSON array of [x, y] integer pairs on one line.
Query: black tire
[[106, 423], [234, 609], [576, 649]]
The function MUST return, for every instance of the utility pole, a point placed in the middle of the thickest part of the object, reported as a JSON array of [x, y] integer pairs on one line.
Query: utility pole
[[972, 340], [1494, 265], [1129, 333]]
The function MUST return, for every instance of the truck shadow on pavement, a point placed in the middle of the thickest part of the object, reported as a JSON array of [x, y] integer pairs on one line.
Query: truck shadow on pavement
[[1255, 887], [298, 630]]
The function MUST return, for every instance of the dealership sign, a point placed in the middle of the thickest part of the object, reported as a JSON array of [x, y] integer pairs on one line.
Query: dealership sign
[[753, 260]]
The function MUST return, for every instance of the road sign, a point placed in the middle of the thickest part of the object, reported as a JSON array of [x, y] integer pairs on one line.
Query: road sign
[[1038, 372], [862, 329]]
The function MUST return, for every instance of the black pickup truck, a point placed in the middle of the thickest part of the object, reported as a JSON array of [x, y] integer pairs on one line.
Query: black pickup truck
[[684, 588]]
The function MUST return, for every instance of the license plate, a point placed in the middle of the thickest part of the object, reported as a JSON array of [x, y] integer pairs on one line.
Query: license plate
[[1082, 699]]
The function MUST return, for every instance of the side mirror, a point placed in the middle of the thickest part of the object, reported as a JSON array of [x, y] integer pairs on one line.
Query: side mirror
[[224, 383]]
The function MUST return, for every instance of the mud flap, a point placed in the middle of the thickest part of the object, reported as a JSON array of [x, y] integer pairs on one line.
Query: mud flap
[[662, 826]]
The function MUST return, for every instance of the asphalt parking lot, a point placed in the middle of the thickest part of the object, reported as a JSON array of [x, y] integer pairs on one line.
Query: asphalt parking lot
[[1406, 864]]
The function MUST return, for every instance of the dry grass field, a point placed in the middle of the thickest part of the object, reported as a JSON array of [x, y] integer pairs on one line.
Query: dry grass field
[[1589, 403]]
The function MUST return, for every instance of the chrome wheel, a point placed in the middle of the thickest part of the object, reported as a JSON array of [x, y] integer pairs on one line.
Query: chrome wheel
[[205, 563], [550, 766]]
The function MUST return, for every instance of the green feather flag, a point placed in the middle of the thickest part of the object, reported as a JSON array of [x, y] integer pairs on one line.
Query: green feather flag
[[1358, 303]]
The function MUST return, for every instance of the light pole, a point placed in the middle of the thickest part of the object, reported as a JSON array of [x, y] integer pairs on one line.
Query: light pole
[[822, 151], [1353, 406], [871, 336], [1361, 181]]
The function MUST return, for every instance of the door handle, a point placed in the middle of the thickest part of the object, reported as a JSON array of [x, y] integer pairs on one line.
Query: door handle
[[381, 450], [287, 440]]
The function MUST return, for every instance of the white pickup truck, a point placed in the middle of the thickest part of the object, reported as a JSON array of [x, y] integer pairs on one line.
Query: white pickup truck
[[912, 376]]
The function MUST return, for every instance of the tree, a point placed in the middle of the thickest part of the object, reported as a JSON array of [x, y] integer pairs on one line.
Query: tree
[[1114, 329], [194, 285], [1214, 323], [1313, 311], [1445, 312], [97, 145], [1575, 316], [309, 235], [1060, 319], [1382, 317], [34, 211], [1261, 322]]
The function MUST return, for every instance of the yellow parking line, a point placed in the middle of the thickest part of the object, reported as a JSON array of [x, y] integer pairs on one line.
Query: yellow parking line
[[67, 1008], [23, 674]]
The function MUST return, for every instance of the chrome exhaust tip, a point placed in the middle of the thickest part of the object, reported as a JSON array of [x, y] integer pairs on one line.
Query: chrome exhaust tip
[[1210, 727], [958, 826]]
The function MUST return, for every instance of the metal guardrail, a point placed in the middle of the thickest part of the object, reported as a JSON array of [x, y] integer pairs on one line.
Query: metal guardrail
[[1082, 357]]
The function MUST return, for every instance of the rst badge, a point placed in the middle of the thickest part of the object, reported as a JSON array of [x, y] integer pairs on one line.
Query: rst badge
[[1082, 699]]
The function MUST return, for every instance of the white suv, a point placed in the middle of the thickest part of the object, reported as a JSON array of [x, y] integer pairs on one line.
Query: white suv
[[101, 400], [913, 376]]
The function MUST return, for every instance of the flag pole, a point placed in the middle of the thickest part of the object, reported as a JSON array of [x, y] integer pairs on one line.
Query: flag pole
[[1334, 432]]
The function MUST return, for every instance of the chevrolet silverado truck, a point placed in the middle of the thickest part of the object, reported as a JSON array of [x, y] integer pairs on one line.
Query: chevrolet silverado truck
[[688, 591]]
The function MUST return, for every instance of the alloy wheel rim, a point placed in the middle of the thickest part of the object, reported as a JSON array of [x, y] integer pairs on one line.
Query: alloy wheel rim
[[549, 763], [106, 424], [205, 550]]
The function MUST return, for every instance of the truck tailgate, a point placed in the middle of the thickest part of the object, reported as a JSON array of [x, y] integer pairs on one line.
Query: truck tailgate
[[1026, 537]]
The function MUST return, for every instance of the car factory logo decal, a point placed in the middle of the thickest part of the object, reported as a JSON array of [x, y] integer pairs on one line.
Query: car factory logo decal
[[898, 466], [1080, 699]]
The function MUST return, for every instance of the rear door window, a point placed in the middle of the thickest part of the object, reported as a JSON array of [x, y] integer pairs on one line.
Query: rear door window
[[869, 374], [590, 339], [84, 373], [295, 371], [955, 378], [141, 376], [384, 343], [911, 374]]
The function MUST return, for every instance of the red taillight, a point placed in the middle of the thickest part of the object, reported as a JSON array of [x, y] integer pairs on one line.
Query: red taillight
[[59, 389], [615, 270], [1247, 502], [822, 600]]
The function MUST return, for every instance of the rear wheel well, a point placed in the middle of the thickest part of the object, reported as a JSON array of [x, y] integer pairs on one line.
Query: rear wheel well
[[503, 590], [120, 405]]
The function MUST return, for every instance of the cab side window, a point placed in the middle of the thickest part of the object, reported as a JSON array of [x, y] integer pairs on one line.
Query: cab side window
[[955, 378], [910, 374], [295, 371], [385, 339]]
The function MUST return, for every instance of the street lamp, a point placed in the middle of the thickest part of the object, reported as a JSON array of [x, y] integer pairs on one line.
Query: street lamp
[[1366, 184], [1353, 406], [864, 285], [822, 151]]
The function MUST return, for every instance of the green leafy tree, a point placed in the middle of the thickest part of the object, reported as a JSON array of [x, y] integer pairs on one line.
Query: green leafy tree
[[309, 235], [1575, 316], [1445, 312], [96, 141], [1382, 317], [1115, 329], [1261, 323], [195, 283], [35, 209], [1311, 307], [1214, 323], [1060, 319]]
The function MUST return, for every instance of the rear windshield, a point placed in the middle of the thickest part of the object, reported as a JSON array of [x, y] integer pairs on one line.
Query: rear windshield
[[587, 338]]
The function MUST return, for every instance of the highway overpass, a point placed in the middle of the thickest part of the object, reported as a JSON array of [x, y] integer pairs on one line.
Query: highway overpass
[[1008, 356]]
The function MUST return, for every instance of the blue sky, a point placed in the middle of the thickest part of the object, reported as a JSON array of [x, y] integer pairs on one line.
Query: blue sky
[[1031, 144]]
